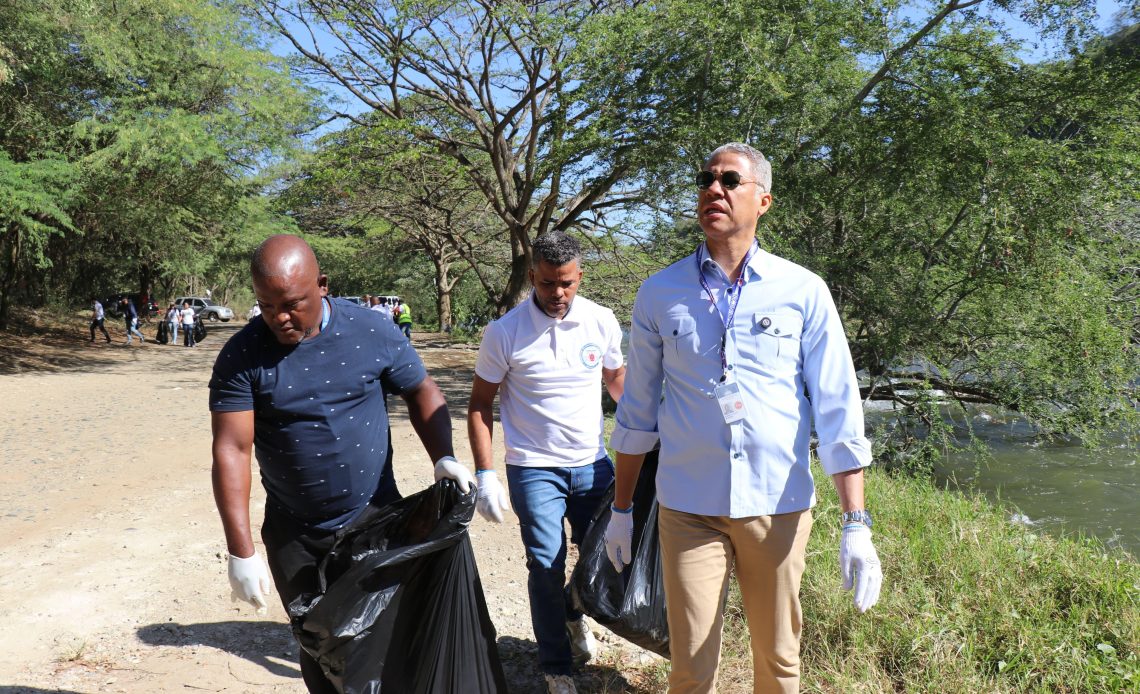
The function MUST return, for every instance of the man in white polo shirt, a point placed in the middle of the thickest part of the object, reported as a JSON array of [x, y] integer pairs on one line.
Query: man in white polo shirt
[[547, 358]]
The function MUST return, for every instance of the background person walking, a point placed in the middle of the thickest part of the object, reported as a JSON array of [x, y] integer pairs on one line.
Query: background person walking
[[131, 318], [404, 319], [173, 319], [97, 318], [188, 325]]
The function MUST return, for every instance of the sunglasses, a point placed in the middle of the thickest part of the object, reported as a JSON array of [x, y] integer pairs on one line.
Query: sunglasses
[[729, 180]]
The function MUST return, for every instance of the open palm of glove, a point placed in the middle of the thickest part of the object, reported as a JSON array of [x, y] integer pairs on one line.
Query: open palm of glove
[[491, 500], [249, 579], [859, 566]]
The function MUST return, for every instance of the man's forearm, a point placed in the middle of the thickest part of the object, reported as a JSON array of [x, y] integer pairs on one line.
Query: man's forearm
[[627, 470], [480, 423], [231, 480], [849, 485], [615, 382], [428, 413]]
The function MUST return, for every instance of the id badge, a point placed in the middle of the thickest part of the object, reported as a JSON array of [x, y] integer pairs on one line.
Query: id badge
[[731, 402]]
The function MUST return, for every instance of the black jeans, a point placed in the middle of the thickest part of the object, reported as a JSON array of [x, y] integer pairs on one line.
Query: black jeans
[[294, 553], [98, 323]]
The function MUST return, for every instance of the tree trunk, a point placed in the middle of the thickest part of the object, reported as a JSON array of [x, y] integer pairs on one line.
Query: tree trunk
[[11, 260], [518, 284], [442, 290], [443, 306]]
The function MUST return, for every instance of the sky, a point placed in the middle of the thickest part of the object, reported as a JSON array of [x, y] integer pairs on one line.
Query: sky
[[1037, 47]]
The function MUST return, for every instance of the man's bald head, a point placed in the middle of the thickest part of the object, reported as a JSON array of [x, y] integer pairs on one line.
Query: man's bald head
[[289, 287], [284, 255]]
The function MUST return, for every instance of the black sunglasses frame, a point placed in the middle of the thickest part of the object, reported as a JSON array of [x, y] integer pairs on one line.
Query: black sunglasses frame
[[729, 180]]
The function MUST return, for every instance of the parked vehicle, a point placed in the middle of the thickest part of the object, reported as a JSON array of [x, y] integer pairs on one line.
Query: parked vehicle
[[206, 309]]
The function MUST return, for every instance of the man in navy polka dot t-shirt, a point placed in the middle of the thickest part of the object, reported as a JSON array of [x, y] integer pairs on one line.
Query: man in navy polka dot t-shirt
[[303, 387]]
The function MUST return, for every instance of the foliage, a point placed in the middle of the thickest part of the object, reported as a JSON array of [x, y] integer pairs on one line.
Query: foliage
[[162, 108], [33, 198], [482, 85], [381, 177], [953, 197]]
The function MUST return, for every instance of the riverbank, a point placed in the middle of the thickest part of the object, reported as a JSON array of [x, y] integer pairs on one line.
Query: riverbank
[[115, 577], [971, 602]]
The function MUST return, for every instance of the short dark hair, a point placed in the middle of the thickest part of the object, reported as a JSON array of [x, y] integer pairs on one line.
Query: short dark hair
[[555, 248]]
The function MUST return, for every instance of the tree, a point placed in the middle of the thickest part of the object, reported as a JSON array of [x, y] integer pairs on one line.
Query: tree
[[162, 107], [382, 173], [947, 192], [33, 201], [528, 144]]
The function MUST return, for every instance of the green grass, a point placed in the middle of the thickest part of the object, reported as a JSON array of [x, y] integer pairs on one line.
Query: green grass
[[971, 603]]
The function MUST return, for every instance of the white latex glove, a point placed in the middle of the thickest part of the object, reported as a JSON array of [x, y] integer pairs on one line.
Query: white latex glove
[[859, 565], [492, 499], [619, 537], [249, 579], [449, 467]]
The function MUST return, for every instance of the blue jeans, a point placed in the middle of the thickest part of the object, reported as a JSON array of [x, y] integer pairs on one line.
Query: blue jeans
[[133, 329], [542, 497], [172, 332]]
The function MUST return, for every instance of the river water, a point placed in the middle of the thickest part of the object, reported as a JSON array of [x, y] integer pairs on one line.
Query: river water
[[1063, 489]]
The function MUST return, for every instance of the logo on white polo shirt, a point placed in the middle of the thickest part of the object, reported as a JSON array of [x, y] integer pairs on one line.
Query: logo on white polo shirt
[[591, 355]]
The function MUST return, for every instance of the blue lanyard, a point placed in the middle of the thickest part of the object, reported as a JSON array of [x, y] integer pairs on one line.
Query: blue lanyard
[[733, 302], [324, 314]]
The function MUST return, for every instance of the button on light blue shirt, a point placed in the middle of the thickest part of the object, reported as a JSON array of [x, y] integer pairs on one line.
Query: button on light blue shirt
[[787, 351]]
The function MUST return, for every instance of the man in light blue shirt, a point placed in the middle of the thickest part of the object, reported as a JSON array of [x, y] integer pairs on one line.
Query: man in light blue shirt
[[748, 351]]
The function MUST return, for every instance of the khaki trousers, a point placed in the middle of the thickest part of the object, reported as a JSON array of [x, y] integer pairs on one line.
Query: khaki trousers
[[697, 553]]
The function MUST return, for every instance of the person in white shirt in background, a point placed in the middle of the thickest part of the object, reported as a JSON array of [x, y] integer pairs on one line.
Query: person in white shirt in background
[[173, 318], [547, 359], [380, 305], [748, 350], [97, 319], [188, 325]]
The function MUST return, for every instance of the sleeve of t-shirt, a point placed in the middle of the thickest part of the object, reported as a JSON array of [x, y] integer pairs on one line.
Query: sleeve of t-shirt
[[405, 369], [612, 359], [231, 384], [491, 365]]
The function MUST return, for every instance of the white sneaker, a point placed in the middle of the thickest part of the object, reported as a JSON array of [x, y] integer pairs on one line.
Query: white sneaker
[[583, 647], [560, 684]]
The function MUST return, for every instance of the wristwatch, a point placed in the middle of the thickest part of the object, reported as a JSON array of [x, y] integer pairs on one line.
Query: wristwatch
[[861, 515]]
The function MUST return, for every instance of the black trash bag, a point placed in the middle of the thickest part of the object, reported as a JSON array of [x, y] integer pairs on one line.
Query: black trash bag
[[630, 604], [400, 607], [199, 330], [162, 337]]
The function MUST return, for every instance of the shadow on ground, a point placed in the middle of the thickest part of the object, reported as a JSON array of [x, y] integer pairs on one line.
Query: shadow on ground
[[269, 645], [9, 689], [42, 347], [520, 663]]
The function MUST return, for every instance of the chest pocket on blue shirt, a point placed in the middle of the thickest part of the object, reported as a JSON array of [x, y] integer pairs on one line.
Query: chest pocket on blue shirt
[[775, 337], [679, 335]]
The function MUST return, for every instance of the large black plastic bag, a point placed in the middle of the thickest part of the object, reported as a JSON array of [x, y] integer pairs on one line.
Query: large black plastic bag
[[401, 608], [630, 604]]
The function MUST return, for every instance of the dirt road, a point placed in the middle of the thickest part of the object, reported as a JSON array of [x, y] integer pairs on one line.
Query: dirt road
[[112, 560]]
